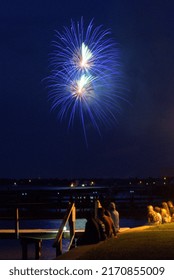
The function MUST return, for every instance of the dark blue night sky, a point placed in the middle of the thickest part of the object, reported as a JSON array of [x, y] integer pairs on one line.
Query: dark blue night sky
[[33, 142]]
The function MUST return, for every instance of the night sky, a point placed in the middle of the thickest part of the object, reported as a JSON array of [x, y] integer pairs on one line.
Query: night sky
[[34, 143]]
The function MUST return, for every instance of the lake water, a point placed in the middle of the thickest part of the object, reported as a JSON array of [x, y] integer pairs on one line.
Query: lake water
[[80, 223]]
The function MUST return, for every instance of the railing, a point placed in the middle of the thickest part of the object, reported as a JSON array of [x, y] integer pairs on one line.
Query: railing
[[71, 217], [28, 236], [17, 223]]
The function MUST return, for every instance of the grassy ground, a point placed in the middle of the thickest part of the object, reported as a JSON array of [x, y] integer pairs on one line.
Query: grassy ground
[[147, 242]]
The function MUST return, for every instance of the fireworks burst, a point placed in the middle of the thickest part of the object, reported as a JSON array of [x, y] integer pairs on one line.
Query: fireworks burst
[[85, 75]]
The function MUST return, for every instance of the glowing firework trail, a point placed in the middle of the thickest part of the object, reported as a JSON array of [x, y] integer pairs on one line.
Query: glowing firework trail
[[85, 74]]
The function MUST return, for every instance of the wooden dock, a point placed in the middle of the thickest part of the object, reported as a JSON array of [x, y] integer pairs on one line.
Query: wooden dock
[[37, 235], [11, 233]]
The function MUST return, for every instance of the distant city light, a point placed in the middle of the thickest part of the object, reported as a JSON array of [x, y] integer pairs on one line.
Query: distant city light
[[24, 193]]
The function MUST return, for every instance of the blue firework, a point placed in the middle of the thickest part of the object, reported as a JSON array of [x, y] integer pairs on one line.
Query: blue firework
[[85, 75]]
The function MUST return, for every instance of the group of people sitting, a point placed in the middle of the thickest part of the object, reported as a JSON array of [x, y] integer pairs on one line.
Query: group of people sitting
[[100, 227], [160, 215]]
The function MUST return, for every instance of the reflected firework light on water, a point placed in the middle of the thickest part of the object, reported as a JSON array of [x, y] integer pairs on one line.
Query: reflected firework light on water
[[85, 76]]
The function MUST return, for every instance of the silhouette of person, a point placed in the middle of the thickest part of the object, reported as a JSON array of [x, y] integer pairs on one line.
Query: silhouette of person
[[91, 234], [114, 215], [108, 222]]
